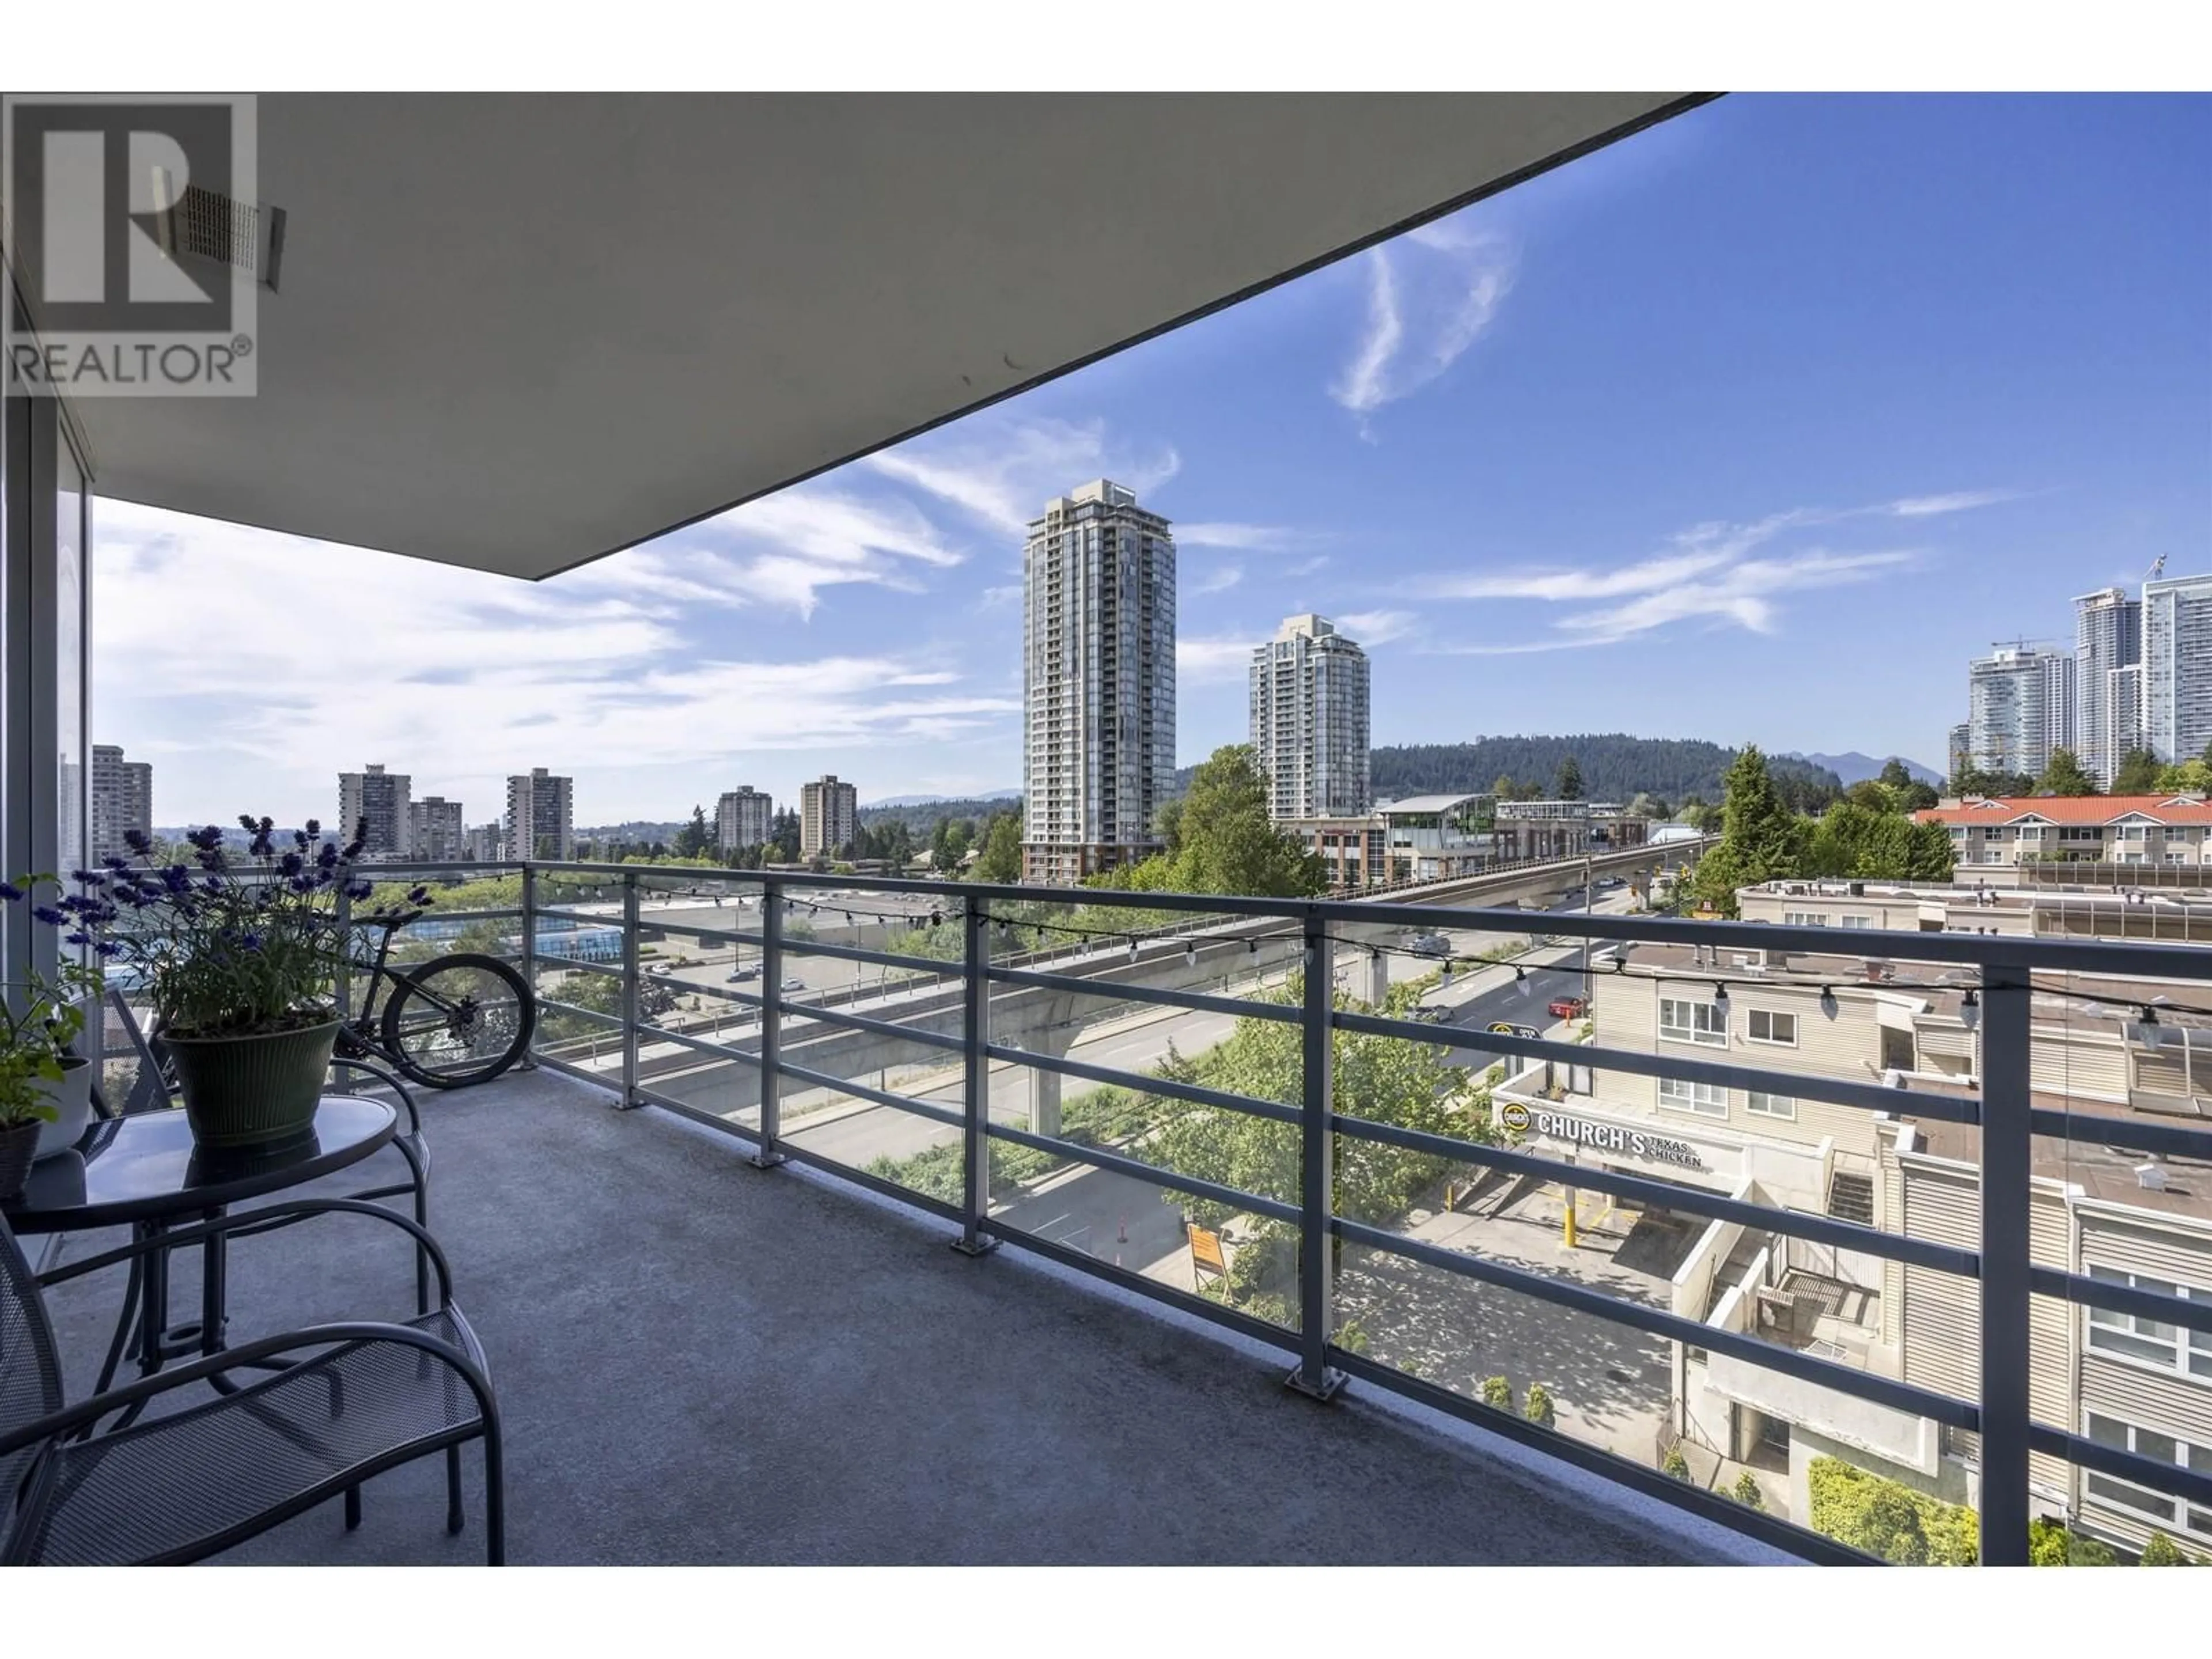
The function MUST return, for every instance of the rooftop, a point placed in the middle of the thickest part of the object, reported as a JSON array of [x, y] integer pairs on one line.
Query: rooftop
[[2090, 811], [700, 1362]]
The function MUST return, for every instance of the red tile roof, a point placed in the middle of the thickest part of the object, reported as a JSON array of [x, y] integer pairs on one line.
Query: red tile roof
[[2072, 809]]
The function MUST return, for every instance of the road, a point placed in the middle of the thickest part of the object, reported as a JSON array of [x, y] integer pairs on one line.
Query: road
[[858, 1133]]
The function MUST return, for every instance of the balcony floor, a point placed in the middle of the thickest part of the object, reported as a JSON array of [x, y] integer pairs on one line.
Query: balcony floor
[[698, 1362]]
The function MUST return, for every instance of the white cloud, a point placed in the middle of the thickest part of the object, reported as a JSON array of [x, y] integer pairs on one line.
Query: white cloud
[[782, 550], [1921, 507], [1002, 471], [1742, 594], [1211, 661], [1704, 574], [1249, 537], [271, 663], [1219, 582], [1431, 296], [1374, 628]]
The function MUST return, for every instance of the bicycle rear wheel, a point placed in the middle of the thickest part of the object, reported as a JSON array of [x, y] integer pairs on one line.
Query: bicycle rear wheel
[[460, 1019]]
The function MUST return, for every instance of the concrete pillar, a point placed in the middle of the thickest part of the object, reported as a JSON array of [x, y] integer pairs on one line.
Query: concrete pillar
[[1045, 1101], [1049, 1028], [1379, 978]]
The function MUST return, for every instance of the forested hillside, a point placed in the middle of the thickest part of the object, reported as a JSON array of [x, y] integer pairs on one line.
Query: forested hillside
[[1614, 767]]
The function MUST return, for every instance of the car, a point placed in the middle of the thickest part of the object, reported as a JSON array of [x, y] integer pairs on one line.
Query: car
[[1429, 944], [662, 968], [794, 983], [1430, 1015], [1568, 1007], [741, 975]]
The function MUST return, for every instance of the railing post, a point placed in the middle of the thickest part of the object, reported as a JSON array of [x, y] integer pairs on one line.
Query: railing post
[[529, 1062], [629, 998], [2006, 1144], [975, 1094], [1316, 1171], [771, 1031]]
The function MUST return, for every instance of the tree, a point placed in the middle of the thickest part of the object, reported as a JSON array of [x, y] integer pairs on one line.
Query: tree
[[1386, 1079], [1746, 1491], [1874, 797], [695, 838], [2191, 777], [1498, 1392], [1851, 841], [2062, 776], [1760, 837], [1906, 792], [1538, 1408], [1226, 843], [2163, 1552], [1001, 859], [2136, 774], [2052, 1544], [1569, 785], [1646, 806], [1675, 1465], [782, 845]]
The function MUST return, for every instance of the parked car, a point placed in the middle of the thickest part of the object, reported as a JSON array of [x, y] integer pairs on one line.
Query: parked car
[[1569, 1007], [794, 983], [661, 967], [741, 975]]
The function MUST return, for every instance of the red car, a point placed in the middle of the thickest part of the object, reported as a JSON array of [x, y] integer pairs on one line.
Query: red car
[[1570, 1007]]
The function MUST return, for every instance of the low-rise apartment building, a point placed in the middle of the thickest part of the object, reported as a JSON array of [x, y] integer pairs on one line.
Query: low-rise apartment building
[[1871, 1019], [1353, 849], [2135, 831], [1987, 904]]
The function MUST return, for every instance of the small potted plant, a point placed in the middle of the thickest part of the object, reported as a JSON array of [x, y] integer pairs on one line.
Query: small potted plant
[[242, 961], [45, 1086]]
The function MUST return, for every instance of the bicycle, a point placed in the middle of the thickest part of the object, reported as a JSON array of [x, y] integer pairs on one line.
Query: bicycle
[[451, 1022]]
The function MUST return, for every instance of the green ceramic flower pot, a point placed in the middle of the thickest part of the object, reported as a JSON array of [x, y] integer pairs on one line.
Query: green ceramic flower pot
[[252, 1091]]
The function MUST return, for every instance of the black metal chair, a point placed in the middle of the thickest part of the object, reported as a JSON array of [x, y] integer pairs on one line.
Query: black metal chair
[[357, 1399]]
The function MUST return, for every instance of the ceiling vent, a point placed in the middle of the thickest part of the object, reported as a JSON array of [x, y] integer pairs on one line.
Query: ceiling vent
[[204, 224]]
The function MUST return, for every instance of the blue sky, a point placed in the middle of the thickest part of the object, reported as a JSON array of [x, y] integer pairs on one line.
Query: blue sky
[[1754, 427]]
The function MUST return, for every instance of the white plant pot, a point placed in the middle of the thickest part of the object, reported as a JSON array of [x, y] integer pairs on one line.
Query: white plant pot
[[72, 1099]]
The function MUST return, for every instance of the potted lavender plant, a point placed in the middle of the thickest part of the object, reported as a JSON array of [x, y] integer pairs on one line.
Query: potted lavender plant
[[45, 1086], [242, 961]]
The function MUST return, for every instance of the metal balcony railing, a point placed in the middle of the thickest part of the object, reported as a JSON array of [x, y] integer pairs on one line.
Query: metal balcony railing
[[945, 1007]]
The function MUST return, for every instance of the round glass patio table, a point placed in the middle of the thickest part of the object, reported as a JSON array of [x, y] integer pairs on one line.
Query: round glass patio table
[[145, 1172]]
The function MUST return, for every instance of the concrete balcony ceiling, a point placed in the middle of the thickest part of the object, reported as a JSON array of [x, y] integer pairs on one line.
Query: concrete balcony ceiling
[[517, 333]]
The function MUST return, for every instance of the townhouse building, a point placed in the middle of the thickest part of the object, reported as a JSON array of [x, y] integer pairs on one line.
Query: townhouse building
[[1878, 1017]]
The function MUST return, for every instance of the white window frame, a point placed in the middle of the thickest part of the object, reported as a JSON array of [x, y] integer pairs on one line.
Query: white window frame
[[2179, 1513], [1705, 1024], [1850, 920], [1771, 1015], [1779, 1106], [1804, 919], [1699, 1099], [2128, 1336]]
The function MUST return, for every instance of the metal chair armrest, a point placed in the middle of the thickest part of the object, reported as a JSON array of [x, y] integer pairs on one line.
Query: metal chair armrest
[[58, 1425], [266, 1219], [390, 1081]]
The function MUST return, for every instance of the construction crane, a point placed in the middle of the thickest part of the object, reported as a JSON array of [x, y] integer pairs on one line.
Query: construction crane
[[2157, 567]]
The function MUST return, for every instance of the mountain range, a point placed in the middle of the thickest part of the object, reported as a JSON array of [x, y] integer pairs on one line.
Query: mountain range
[[1852, 767]]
